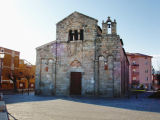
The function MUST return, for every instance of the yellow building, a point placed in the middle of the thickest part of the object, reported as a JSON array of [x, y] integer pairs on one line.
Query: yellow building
[[10, 63], [26, 70], [16, 73]]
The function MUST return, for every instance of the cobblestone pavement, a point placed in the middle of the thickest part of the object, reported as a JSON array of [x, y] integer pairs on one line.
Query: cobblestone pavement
[[24, 107]]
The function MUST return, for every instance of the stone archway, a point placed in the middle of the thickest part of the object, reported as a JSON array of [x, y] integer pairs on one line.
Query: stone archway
[[75, 77], [75, 63]]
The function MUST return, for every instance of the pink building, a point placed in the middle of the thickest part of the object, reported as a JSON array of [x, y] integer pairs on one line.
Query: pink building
[[140, 69]]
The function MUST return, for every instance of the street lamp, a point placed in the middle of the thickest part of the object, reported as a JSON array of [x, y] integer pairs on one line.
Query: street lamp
[[1, 58]]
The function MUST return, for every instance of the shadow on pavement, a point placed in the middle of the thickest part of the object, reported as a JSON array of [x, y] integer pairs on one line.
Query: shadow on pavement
[[143, 103], [17, 98]]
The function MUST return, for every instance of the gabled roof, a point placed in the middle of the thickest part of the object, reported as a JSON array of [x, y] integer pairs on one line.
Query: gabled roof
[[138, 54], [45, 45], [79, 14], [121, 42], [9, 49], [125, 55]]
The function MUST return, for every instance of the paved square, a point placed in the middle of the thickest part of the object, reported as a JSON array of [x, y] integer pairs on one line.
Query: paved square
[[24, 107]]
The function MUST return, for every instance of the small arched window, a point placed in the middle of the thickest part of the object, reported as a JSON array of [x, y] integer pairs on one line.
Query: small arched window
[[75, 34], [70, 35], [109, 27], [81, 34]]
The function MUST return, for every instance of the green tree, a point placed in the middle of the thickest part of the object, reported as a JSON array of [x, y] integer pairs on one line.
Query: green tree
[[14, 76]]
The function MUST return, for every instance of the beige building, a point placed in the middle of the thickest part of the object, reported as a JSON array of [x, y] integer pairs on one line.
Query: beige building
[[83, 60]]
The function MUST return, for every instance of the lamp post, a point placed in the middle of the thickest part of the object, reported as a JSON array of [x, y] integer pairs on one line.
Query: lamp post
[[1, 58]]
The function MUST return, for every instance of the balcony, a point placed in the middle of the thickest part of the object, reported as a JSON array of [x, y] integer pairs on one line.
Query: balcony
[[135, 64], [135, 73], [135, 82]]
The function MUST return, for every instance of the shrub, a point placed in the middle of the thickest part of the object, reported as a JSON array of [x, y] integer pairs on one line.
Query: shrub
[[155, 95]]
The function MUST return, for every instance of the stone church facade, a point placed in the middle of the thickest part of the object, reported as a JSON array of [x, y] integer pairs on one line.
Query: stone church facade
[[83, 60]]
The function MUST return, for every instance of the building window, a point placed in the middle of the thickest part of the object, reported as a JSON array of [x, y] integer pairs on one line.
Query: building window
[[109, 27], [146, 71], [74, 35], [32, 76], [134, 78], [147, 78], [2, 50], [70, 35], [134, 62], [81, 34], [134, 70], [146, 62]]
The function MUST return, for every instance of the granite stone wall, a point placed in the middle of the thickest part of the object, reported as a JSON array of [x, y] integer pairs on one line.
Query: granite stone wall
[[97, 57]]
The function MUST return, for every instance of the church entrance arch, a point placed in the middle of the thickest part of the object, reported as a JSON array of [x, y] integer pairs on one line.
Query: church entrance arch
[[75, 77]]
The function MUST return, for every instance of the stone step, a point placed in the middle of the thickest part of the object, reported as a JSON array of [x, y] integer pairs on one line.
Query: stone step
[[3, 116], [2, 106]]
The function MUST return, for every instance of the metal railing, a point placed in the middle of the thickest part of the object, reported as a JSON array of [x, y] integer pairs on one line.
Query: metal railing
[[135, 64], [11, 116]]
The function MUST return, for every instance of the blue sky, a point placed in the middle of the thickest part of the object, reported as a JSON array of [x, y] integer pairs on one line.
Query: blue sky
[[27, 24]]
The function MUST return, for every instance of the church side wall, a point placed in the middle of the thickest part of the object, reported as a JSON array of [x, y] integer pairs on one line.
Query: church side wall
[[124, 73], [110, 72], [45, 70]]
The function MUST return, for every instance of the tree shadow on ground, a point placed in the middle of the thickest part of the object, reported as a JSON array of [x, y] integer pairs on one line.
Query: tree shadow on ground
[[25, 97], [143, 103]]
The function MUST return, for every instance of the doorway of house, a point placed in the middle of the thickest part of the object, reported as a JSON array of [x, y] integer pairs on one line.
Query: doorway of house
[[75, 83]]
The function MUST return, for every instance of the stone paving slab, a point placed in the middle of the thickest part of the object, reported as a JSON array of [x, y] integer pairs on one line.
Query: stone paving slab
[[70, 110], [24, 107]]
